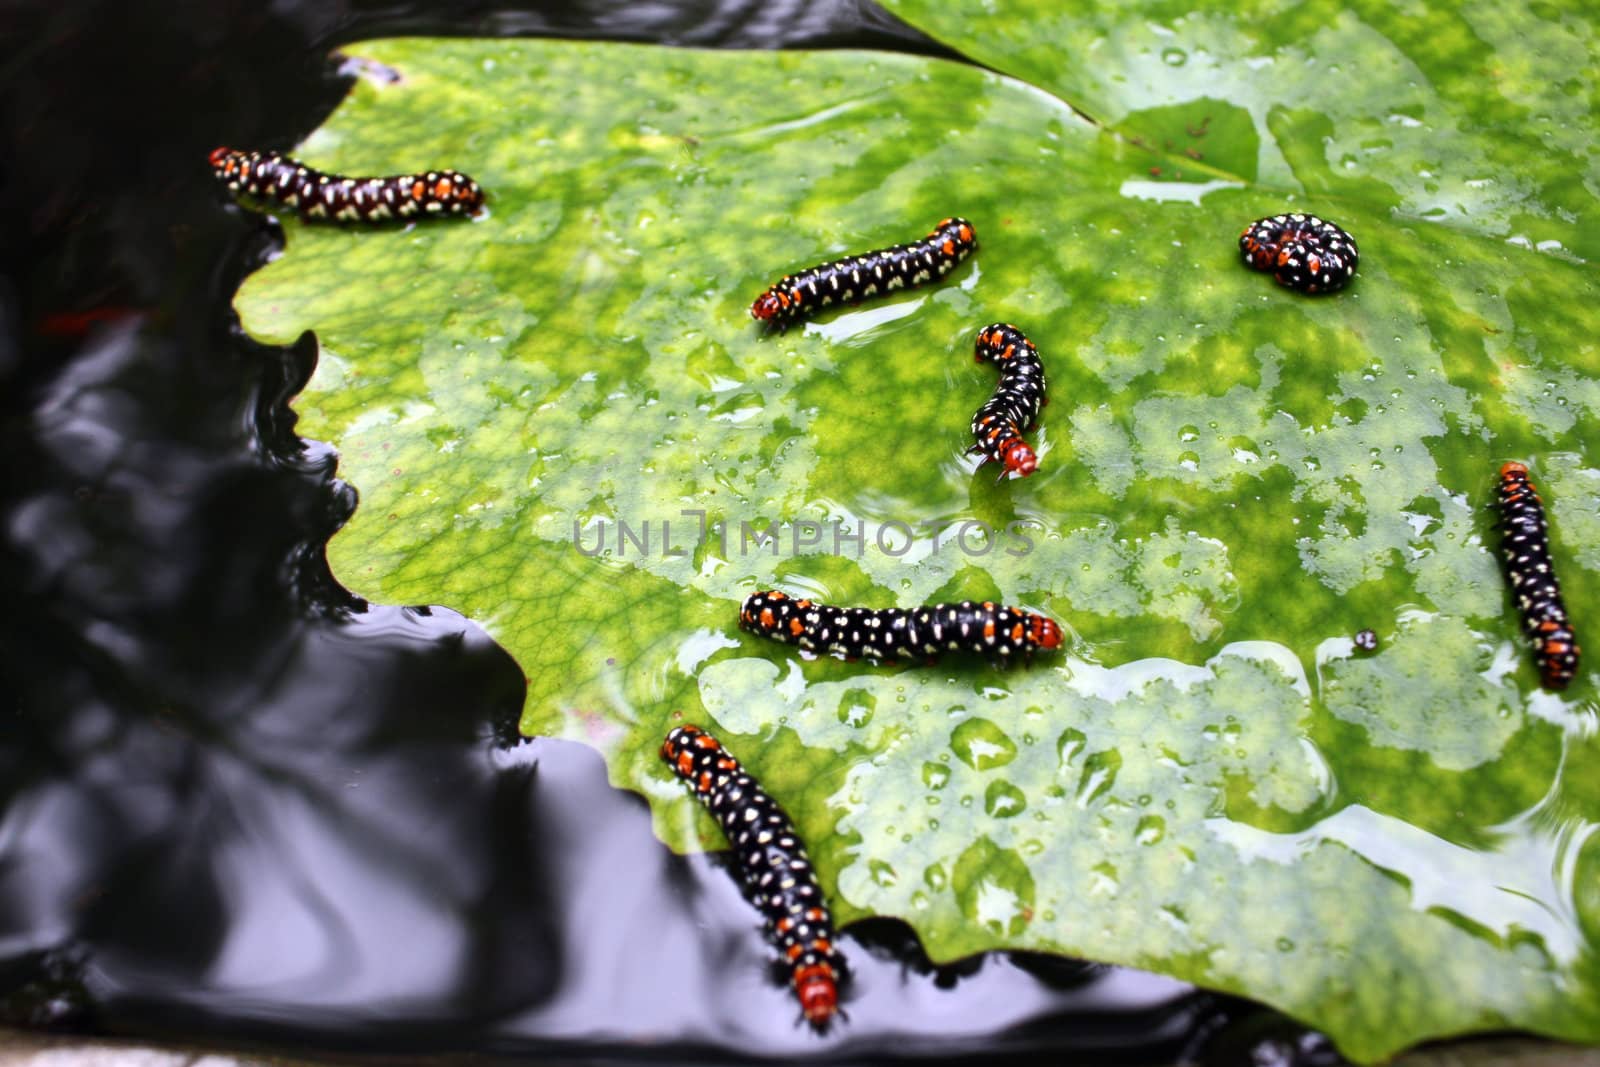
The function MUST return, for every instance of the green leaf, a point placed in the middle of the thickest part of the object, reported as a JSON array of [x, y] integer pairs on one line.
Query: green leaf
[[1209, 782], [1476, 114]]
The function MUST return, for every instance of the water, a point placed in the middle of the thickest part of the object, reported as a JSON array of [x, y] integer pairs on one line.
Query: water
[[238, 803]]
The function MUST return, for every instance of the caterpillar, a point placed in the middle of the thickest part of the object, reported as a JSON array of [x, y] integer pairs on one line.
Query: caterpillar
[[281, 180], [854, 278], [1526, 550], [998, 633], [999, 424], [1304, 252], [773, 867]]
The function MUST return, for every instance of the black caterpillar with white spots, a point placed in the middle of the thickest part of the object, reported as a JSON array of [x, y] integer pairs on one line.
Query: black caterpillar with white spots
[[315, 195], [854, 278], [999, 424], [1525, 548], [1303, 252], [1000, 634], [773, 866]]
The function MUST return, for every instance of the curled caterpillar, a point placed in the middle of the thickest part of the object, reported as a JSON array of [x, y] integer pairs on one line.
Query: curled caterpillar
[[854, 278], [998, 633], [281, 180], [773, 867], [999, 424], [1304, 252], [1525, 548]]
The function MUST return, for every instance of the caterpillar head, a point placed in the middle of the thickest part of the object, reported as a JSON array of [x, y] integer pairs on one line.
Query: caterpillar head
[[1019, 458], [225, 162], [773, 305], [678, 739], [818, 992], [958, 233], [765, 308], [1043, 632]]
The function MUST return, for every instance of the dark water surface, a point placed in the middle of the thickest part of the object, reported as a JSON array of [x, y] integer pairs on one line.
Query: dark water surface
[[240, 806]]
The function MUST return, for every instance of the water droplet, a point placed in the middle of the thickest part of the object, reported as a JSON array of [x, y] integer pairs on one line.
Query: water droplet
[[1174, 57], [1099, 775], [994, 888], [1285, 945], [1002, 800], [1105, 881], [935, 775], [982, 745], [1151, 829], [1069, 744], [856, 707]]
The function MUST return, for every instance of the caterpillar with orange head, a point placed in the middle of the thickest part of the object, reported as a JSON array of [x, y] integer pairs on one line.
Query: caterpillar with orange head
[[1013, 409], [1000, 634], [278, 179], [773, 867], [854, 278], [1525, 548]]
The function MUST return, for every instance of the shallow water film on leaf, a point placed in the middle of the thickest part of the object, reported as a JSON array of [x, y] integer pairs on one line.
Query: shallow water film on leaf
[[563, 422]]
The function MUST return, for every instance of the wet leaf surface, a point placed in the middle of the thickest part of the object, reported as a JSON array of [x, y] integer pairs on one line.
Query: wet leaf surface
[[1210, 781]]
